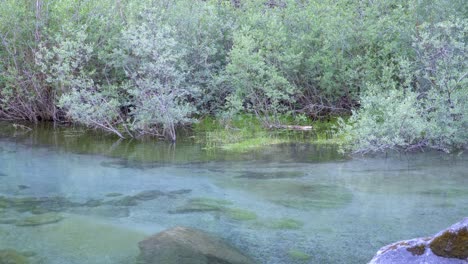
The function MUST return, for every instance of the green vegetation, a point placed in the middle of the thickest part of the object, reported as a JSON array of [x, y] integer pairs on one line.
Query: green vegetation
[[205, 204], [298, 255], [40, 219], [283, 223], [241, 214], [10, 256], [146, 68]]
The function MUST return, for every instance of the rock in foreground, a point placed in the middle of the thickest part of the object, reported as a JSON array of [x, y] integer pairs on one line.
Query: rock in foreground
[[449, 246], [181, 245]]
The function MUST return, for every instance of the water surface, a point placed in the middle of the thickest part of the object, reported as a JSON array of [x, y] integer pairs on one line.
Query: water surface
[[102, 196]]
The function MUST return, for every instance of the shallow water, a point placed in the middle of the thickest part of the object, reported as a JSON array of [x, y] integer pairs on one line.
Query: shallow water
[[102, 196]]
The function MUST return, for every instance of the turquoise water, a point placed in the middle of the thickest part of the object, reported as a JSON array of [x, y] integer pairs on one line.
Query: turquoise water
[[70, 197]]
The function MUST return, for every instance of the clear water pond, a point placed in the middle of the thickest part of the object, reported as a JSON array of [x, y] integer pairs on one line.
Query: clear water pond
[[71, 196]]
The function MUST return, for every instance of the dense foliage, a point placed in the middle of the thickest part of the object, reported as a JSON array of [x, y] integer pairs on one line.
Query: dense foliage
[[138, 67]]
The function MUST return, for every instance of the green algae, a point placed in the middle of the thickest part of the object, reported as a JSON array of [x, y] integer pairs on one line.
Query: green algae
[[210, 201], [240, 214], [41, 219], [205, 204], [10, 256], [201, 204], [285, 223], [298, 255]]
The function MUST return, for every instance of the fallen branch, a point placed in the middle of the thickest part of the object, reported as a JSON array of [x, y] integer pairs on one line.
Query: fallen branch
[[289, 127], [16, 126]]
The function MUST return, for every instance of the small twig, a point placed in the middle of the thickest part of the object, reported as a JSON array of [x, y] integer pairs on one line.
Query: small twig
[[16, 126]]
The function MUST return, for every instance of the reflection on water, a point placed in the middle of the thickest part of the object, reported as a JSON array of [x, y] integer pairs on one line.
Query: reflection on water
[[71, 196]]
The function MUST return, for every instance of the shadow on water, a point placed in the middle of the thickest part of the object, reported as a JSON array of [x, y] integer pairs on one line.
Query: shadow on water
[[133, 153]]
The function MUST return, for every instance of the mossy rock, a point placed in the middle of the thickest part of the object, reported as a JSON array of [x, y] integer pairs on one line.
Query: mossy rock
[[41, 219], [448, 246], [451, 244], [298, 255], [10, 256], [240, 214]]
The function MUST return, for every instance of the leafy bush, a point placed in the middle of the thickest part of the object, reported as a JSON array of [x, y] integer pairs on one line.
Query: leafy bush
[[257, 86], [428, 106], [157, 87]]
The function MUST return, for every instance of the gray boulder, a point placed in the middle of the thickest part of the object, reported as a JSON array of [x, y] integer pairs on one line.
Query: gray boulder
[[181, 245], [449, 246]]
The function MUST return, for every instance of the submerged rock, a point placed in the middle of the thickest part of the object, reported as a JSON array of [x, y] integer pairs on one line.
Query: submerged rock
[[202, 204], [10, 256], [449, 246], [113, 194], [181, 245], [270, 175], [283, 223], [148, 195], [132, 200], [41, 219]]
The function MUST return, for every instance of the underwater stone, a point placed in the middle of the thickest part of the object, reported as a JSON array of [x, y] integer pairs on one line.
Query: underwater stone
[[181, 245], [179, 192], [194, 208], [449, 246], [125, 201], [10, 256], [201, 204], [148, 195], [113, 194], [270, 175], [41, 204], [93, 203], [41, 219]]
